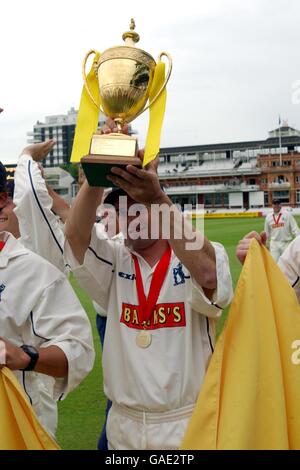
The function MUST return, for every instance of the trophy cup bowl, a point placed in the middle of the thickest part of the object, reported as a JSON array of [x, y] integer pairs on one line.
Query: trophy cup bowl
[[125, 76]]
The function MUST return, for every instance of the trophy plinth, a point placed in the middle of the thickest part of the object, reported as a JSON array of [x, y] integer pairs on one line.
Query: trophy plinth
[[107, 151], [124, 76]]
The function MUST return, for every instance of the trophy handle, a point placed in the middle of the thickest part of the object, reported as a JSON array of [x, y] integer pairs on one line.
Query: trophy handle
[[92, 51], [166, 54]]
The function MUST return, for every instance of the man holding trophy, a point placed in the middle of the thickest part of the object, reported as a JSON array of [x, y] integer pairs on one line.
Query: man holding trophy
[[160, 326]]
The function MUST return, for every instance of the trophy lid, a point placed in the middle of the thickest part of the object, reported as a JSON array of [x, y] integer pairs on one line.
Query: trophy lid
[[128, 50], [131, 37]]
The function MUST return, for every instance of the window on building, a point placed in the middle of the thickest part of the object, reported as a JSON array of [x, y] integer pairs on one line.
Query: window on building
[[208, 199], [283, 196], [281, 179], [226, 199], [276, 163], [298, 196], [266, 198], [297, 179], [286, 162], [188, 200], [62, 191], [218, 199]]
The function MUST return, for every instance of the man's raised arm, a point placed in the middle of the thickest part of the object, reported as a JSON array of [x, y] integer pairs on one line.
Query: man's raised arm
[[81, 219]]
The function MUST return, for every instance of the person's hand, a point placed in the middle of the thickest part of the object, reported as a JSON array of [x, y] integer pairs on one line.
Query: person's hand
[[154, 163], [15, 358], [243, 245], [111, 126], [39, 151], [148, 189], [141, 184]]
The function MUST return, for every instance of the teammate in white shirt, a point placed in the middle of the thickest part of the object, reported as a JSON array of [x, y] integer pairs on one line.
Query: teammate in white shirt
[[162, 302], [41, 215], [39, 309], [289, 261], [281, 228], [39, 225]]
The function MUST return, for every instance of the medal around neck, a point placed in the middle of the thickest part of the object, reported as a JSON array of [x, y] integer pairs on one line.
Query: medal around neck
[[123, 82], [144, 339]]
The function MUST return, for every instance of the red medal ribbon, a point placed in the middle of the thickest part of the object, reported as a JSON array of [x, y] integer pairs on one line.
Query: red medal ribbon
[[276, 220], [2, 244], [147, 304]]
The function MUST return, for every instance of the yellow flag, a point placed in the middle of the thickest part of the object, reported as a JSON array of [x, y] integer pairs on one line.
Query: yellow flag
[[157, 111], [250, 398], [88, 116], [19, 428]]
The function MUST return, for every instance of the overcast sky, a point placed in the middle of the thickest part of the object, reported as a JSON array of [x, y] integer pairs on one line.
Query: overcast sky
[[235, 63]]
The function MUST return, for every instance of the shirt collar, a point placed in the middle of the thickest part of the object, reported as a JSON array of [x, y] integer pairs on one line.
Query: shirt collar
[[144, 262], [11, 249]]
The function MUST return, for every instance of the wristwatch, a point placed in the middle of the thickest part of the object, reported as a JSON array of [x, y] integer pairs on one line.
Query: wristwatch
[[33, 354]]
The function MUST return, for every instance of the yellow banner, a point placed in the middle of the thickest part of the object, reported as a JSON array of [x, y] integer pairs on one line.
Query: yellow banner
[[250, 396], [157, 112], [19, 428], [88, 116]]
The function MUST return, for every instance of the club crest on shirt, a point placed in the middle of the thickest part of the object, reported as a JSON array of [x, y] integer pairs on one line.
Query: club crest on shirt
[[2, 287], [178, 275]]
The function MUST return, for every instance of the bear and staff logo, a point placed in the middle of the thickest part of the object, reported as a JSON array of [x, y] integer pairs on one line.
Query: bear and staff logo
[[2, 287]]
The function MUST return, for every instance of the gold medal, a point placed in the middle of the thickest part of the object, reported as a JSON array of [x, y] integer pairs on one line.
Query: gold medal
[[143, 339]]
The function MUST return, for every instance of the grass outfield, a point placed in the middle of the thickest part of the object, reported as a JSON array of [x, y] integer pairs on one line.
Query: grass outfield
[[81, 414]]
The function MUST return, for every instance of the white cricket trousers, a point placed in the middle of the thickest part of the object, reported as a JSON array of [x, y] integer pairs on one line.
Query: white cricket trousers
[[129, 429]]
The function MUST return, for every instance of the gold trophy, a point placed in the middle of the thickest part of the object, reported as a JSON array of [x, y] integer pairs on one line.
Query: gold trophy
[[124, 78]]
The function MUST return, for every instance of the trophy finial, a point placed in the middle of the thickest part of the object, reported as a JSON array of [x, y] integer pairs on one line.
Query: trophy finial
[[131, 37], [132, 24]]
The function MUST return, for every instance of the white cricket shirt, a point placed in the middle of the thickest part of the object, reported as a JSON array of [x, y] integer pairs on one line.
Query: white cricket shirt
[[168, 374], [289, 263], [281, 227], [39, 307]]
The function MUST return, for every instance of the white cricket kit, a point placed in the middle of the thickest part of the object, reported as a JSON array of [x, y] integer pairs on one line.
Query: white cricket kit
[[41, 230], [289, 263], [38, 307], [281, 228], [43, 233], [158, 385]]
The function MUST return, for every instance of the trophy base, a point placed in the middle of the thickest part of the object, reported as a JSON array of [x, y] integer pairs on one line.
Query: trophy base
[[118, 150], [97, 167]]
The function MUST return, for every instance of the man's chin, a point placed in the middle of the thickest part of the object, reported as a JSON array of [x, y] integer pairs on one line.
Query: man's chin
[[138, 244], [4, 227]]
